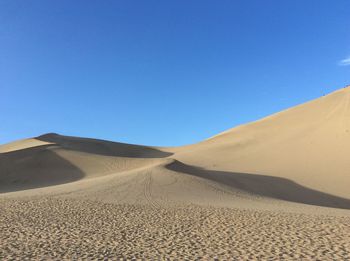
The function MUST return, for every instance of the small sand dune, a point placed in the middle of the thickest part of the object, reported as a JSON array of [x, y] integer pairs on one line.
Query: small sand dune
[[274, 189], [52, 159]]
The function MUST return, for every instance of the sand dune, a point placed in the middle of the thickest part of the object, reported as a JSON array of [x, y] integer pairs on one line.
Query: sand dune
[[52, 159], [277, 188], [308, 144]]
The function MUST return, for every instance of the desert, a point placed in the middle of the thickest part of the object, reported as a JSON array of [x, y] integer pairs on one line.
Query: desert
[[273, 189]]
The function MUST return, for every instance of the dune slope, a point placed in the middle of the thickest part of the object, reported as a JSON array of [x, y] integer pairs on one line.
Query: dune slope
[[308, 144]]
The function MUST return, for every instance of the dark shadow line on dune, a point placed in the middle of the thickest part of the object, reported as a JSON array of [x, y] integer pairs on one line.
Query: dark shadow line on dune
[[267, 186], [103, 147], [35, 167]]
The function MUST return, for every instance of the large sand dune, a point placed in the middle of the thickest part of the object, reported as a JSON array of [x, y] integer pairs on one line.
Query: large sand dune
[[275, 188], [308, 144]]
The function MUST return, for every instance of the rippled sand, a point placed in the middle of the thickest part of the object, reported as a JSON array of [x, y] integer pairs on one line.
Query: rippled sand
[[71, 229]]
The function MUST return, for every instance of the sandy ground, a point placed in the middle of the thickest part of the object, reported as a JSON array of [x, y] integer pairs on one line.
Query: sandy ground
[[70, 229], [274, 189]]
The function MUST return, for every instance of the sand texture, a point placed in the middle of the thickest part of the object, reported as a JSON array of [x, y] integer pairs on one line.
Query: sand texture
[[274, 189], [69, 229]]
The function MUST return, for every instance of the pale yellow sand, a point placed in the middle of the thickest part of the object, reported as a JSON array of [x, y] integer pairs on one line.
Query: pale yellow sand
[[272, 189], [71, 229]]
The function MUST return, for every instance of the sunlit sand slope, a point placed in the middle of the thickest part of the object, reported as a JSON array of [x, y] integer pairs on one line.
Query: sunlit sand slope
[[308, 144]]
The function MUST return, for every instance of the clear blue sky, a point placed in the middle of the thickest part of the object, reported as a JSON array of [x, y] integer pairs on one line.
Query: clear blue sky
[[164, 72]]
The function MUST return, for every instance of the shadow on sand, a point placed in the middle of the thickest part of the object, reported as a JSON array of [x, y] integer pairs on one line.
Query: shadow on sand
[[267, 186], [34, 168]]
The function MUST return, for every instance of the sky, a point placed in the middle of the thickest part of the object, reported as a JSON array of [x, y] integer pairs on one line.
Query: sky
[[164, 73]]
